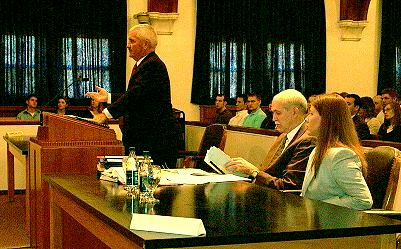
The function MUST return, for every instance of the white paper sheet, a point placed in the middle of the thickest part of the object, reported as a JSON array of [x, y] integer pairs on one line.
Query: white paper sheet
[[216, 158], [167, 224], [195, 176]]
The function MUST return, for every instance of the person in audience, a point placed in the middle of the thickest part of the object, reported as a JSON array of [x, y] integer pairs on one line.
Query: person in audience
[[149, 121], [354, 104], [310, 99], [268, 123], [95, 108], [223, 115], [256, 114], [241, 109], [367, 113], [377, 100], [390, 130], [335, 167], [285, 163], [31, 112], [343, 94], [62, 106], [389, 95]]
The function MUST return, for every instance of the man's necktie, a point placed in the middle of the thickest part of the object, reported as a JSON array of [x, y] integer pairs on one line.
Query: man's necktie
[[279, 149], [134, 69]]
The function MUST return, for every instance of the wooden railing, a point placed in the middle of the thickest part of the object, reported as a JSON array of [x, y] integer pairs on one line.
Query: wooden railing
[[12, 111]]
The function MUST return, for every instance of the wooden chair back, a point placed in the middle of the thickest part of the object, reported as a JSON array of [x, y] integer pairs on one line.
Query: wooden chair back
[[383, 175], [214, 135]]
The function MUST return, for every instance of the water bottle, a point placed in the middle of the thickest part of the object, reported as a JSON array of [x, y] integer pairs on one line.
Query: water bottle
[[131, 170], [143, 171]]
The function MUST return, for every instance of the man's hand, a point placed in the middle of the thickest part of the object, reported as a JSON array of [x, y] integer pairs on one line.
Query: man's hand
[[100, 118], [239, 164], [101, 95]]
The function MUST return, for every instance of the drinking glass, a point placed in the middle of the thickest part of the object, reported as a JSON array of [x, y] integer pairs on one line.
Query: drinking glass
[[151, 181]]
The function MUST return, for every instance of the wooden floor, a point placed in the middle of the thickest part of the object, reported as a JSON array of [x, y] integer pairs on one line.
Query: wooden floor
[[12, 230]]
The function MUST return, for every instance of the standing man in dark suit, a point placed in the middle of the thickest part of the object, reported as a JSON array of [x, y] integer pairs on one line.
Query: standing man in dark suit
[[149, 123], [285, 163]]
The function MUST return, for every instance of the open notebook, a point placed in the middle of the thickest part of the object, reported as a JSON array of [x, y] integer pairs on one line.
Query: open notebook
[[216, 158]]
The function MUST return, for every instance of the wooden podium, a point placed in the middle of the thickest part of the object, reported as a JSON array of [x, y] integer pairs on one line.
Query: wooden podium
[[64, 145]]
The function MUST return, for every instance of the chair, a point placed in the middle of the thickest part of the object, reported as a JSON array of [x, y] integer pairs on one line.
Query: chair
[[382, 166], [383, 180], [214, 135], [180, 116]]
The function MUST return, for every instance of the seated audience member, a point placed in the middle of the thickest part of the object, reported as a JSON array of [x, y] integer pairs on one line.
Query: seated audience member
[[94, 109], [62, 106], [389, 95], [310, 99], [256, 115], [390, 130], [335, 167], [367, 113], [241, 109], [343, 94], [377, 100], [223, 115], [268, 122], [354, 104], [285, 163], [31, 112]]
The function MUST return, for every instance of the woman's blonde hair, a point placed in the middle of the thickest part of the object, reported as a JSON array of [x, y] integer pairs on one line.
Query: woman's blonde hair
[[336, 128]]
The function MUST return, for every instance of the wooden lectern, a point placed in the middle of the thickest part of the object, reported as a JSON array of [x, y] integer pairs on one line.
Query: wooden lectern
[[64, 145]]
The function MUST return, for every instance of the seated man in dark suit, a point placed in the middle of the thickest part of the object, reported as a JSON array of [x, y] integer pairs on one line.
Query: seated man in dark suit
[[354, 104], [223, 115], [285, 163]]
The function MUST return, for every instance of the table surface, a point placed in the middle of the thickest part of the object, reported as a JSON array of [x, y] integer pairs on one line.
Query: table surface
[[232, 213]]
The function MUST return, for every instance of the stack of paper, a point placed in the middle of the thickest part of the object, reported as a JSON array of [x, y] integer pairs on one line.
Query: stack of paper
[[216, 159], [168, 224], [195, 176], [114, 174]]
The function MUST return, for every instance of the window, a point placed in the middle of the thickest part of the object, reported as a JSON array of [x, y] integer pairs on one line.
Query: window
[[49, 46], [19, 60], [259, 46], [92, 60]]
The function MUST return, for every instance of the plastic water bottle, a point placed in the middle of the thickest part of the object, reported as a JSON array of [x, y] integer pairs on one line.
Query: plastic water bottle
[[132, 170], [143, 171]]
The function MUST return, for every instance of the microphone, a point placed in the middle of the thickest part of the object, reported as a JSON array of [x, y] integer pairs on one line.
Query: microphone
[[78, 80]]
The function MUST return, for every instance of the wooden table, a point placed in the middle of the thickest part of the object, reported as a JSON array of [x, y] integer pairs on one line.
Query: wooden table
[[89, 213], [17, 148]]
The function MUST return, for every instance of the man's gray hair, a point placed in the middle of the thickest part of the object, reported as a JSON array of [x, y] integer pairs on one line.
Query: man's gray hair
[[292, 98], [146, 32]]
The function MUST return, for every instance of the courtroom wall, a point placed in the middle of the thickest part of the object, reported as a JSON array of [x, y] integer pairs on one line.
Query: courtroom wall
[[350, 66]]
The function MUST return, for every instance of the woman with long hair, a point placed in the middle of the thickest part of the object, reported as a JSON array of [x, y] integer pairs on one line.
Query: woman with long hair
[[334, 173], [390, 130], [367, 113], [62, 105]]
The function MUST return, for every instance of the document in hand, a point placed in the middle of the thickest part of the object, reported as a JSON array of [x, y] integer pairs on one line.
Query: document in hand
[[216, 159], [167, 224]]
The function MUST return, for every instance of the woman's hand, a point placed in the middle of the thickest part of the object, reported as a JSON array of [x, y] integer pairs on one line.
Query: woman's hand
[[239, 164]]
